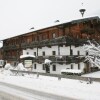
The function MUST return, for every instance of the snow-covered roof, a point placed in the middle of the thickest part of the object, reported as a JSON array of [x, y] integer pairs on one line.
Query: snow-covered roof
[[56, 24], [25, 56], [71, 70]]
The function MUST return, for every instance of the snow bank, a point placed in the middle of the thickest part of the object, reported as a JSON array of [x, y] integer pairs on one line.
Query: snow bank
[[6, 72]]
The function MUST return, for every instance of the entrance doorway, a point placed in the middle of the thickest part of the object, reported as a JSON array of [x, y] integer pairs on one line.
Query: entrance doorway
[[47, 68]]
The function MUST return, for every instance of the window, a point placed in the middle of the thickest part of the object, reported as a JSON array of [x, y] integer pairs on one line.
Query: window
[[87, 53], [53, 35], [71, 52], [71, 66], [53, 52], [34, 53], [27, 53], [43, 67], [78, 53], [78, 66], [43, 53], [54, 67], [34, 66]]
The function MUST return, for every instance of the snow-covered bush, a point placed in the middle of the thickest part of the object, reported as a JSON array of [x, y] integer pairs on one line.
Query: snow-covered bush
[[6, 69], [8, 66], [20, 66], [71, 72]]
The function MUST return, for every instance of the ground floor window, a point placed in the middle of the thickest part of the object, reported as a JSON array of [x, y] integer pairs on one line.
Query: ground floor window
[[54, 67], [34, 66], [53, 52], [43, 66], [71, 66], [34, 53], [43, 53], [78, 66]]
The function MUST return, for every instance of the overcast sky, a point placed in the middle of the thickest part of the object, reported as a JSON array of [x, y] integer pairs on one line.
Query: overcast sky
[[18, 16]]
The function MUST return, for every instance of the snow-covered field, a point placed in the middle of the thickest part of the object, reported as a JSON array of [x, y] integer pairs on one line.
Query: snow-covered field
[[64, 87]]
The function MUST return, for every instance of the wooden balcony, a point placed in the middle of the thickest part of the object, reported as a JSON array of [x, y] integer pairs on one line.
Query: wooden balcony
[[52, 42], [11, 47], [29, 45], [61, 60], [10, 58], [88, 31], [62, 41]]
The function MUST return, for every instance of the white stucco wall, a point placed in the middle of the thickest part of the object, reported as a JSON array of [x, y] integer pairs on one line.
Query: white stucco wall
[[30, 51], [65, 50], [39, 68], [48, 51], [64, 66], [76, 49], [59, 67]]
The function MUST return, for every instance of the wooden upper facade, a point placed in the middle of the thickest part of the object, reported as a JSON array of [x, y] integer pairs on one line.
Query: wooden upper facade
[[74, 33]]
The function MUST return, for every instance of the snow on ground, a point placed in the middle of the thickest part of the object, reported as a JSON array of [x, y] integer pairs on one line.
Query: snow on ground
[[64, 87], [94, 74]]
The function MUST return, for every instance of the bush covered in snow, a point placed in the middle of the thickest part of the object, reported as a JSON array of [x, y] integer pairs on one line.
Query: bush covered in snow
[[8, 66], [20, 66], [6, 69], [71, 72]]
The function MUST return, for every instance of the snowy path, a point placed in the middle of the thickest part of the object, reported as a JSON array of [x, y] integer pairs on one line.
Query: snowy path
[[20, 93]]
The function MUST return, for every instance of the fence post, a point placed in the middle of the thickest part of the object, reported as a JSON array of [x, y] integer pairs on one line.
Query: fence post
[[37, 74], [59, 78]]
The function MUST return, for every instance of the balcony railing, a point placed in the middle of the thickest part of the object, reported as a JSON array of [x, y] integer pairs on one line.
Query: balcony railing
[[11, 47], [56, 41], [29, 45], [62, 59], [10, 58]]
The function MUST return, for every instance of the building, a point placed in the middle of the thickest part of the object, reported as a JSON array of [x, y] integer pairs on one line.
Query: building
[[61, 44], [1, 55]]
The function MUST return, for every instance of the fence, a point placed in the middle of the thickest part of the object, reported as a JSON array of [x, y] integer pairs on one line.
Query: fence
[[59, 76]]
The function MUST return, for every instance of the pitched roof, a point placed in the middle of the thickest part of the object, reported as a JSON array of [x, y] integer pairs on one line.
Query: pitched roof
[[60, 24]]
